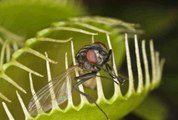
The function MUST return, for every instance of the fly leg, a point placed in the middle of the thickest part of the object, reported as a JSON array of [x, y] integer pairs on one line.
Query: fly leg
[[119, 77], [104, 77], [85, 77], [91, 99]]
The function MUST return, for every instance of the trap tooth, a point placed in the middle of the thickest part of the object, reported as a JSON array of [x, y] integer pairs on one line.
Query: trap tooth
[[18, 64], [53, 97], [139, 68], [4, 97], [117, 90], [11, 81], [25, 111], [146, 67], [69, 83], [37, 103], [9, 115], [152, 53], [83, 98], [100, 89], [129, 68]]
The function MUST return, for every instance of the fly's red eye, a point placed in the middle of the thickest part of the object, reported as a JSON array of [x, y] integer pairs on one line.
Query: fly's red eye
[[91, 56]]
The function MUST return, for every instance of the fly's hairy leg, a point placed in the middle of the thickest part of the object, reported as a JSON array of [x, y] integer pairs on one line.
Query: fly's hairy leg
[[83, 79], [119, 77], [92, 100], [104, 77]]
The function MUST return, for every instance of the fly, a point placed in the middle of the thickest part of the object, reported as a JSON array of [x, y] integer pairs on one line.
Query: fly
[[91, 59]]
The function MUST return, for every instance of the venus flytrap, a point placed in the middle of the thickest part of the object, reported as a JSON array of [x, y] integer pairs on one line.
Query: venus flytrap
[[84, 31], [131, 93]]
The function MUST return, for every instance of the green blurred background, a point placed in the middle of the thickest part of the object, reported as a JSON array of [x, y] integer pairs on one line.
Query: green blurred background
[[159, 20]]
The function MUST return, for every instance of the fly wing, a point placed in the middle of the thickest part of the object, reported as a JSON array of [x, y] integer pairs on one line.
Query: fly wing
[[59, 87]]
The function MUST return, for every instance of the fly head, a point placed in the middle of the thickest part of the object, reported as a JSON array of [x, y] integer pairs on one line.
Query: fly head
[[92, 56]]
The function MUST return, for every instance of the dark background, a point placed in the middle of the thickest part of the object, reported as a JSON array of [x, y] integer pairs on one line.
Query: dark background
[[159, 20]]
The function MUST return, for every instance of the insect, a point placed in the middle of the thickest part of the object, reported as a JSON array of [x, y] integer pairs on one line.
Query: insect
[[91, 59]]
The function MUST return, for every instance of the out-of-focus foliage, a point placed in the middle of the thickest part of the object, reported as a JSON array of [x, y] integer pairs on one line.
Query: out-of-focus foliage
[[25, 18], [152, 109]]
